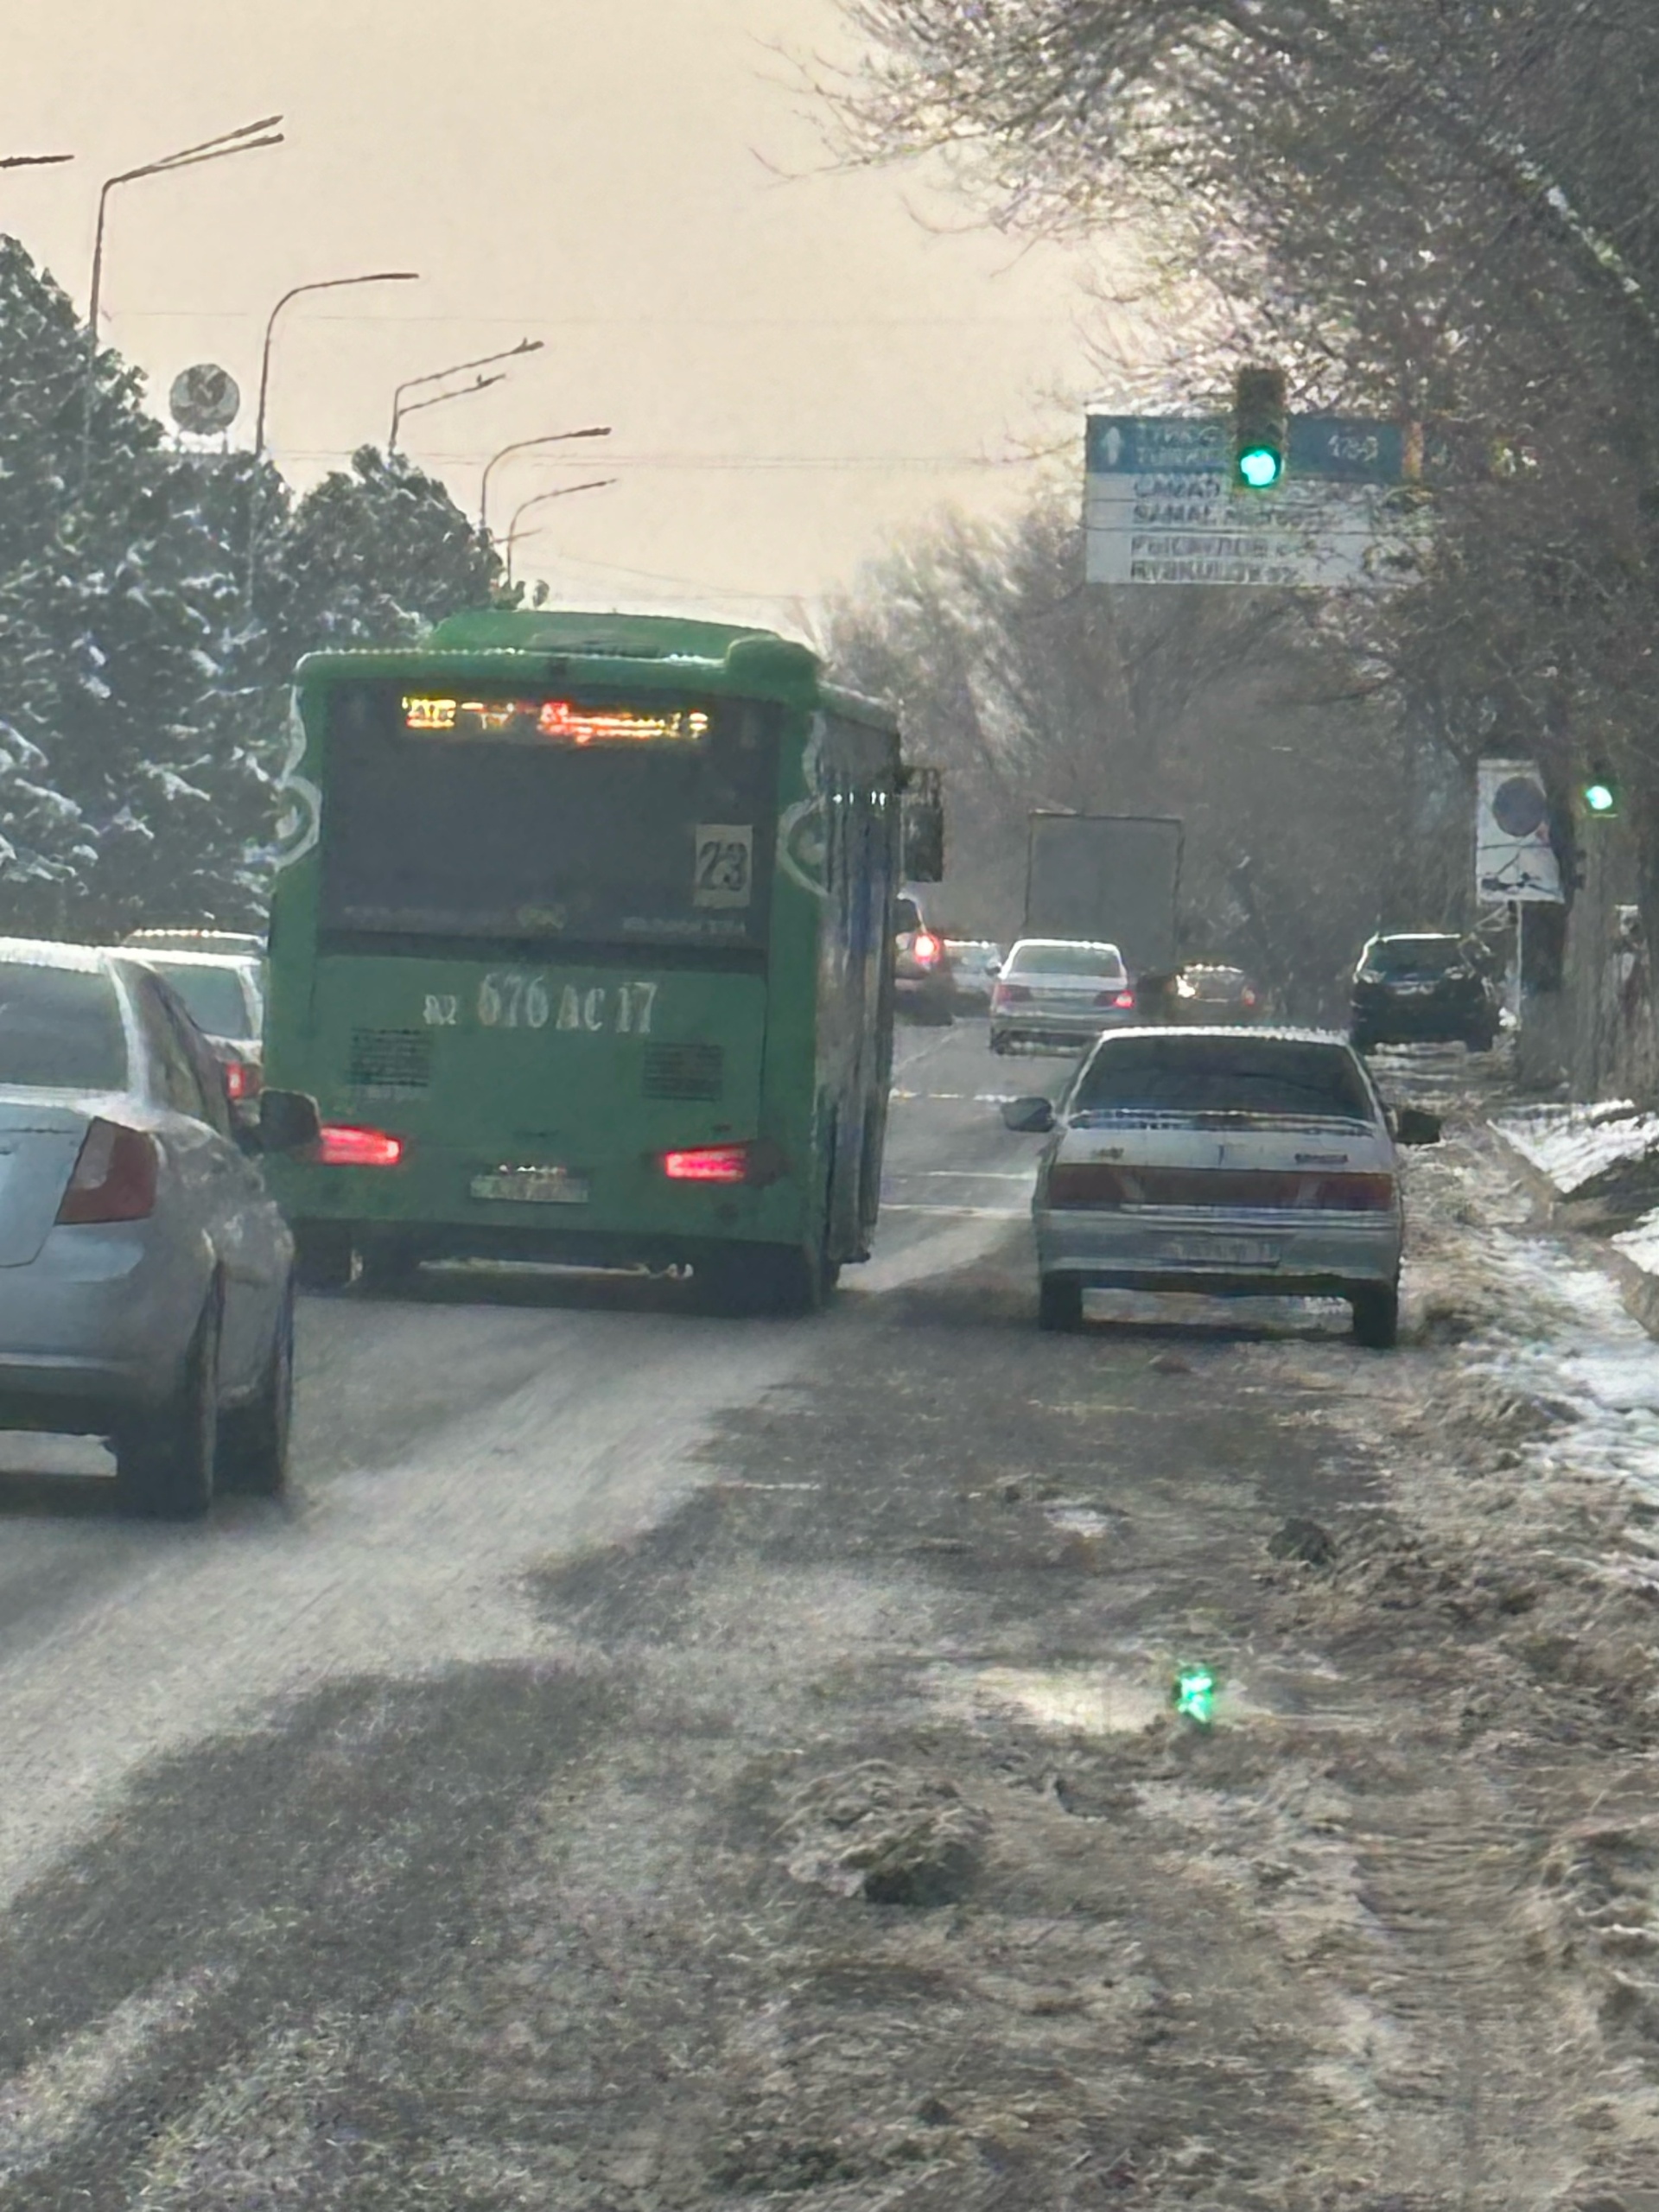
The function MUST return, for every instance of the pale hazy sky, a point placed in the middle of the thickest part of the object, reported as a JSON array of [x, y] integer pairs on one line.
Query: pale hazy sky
[[592, 172]]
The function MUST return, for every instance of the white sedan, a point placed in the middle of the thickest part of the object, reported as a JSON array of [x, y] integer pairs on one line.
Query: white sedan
[[1237, 1162]]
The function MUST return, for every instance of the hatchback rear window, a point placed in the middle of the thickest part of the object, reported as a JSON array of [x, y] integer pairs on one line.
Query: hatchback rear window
[[60, 1029], [1217, 1075], [1103, 960], [1406, 956], [215, 998]]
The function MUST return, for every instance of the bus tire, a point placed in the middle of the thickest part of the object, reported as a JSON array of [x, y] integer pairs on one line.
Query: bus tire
[[323, 1258], [754, 1280]]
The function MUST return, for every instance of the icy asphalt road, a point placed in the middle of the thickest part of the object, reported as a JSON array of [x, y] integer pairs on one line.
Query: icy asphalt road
[[443, 1449]]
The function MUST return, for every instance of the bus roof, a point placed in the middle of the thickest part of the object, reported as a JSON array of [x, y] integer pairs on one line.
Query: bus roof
[[497, 641]]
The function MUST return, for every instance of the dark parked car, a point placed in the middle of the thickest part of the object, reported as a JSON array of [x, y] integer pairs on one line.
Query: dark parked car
[[923, 983], [1207, 992], [1428, 986]]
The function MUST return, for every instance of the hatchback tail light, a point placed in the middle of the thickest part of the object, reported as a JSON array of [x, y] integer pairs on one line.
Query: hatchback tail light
[[707, 1163], [1123, 1001], [243, 1080], [1356, 1193], [341, 1144], [1085, 1184], [1010, 994], [114, 1177]]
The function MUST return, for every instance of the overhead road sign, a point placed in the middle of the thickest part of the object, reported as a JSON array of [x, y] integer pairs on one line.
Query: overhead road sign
[[1163, 505]]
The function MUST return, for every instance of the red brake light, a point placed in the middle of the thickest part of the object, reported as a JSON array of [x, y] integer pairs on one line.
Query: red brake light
[[1011, 994], [707, 1163], [925, 947], [242, 1080], [342, 1145], [114, 1177], [1247, 996], [1123, 1001]]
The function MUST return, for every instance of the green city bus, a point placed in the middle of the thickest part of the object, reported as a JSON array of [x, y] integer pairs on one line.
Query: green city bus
[[581, 940]]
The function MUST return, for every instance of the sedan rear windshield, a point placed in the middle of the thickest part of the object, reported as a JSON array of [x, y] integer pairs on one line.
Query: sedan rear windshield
[[1103, 960], [1223, 1075], [1407, 955], [60, 1029]]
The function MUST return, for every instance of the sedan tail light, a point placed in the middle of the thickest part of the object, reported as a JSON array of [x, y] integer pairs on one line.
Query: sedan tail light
[[1010, 994], [1123, 1001], [707, 1163], [243, 1080], [341, 1144], [114, 1177], [926, 948]]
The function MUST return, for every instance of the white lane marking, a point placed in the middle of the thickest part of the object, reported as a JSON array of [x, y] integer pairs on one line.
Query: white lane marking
[[965, 1174], [966, 1213]]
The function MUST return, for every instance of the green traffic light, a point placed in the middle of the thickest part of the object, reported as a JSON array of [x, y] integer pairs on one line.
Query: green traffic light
[[1261, 467], [1601, 799]]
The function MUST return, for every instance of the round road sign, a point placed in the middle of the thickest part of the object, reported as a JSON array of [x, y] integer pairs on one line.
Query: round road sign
[[203, 399]]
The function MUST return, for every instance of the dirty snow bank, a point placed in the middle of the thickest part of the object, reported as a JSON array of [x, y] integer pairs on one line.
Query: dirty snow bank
[[1572, 1145]]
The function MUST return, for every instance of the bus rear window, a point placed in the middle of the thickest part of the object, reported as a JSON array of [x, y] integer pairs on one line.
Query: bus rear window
[[589, 818]]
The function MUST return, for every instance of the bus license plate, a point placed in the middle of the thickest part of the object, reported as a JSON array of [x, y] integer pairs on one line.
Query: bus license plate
[[541, 1186], [1219, 1251]]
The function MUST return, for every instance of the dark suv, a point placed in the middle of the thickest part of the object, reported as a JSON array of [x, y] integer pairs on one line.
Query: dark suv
[[1423, 987]]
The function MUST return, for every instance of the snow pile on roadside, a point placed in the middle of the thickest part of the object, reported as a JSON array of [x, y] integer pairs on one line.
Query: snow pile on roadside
[[1587, 1364], [1572, 1145]]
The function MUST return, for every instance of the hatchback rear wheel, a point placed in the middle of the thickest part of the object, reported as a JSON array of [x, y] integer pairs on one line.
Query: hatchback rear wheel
[[1376, 1315], [1059, 1303], [165, 1461]]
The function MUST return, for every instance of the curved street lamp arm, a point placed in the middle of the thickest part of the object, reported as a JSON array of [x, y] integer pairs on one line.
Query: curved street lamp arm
[[515, 536], [523, 445], [456, 368], [32, 161], [479, 384], [319, 285]]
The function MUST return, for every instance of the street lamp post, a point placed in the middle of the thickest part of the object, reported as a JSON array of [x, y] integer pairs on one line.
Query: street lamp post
[[256, 501], [562, 492], [456, 368], [293, 292], [248, 140], [523, 445]]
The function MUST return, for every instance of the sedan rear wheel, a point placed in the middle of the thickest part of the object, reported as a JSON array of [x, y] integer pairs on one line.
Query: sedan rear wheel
[[165, 1462], [1059, 1303], [1376, 1315], [253, 1443]]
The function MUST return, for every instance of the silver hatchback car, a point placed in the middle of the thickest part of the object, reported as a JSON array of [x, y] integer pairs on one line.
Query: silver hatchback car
[[1231, 1161], [146, 1277]]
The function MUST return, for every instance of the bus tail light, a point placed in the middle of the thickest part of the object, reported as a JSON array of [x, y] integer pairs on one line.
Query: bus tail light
[[707, 1163], [343, 1145], [114, 1177]]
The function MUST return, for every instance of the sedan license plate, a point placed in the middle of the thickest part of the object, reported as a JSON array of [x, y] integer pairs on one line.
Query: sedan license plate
[[542, 1187], [1219, 1251]]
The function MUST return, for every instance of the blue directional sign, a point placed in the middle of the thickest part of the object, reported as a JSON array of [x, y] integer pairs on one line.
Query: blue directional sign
[[1162, 506], [1335, 448]]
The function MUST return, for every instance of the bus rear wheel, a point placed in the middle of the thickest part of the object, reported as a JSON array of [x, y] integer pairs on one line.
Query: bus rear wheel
[[323, 1258], [753, 1279]]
